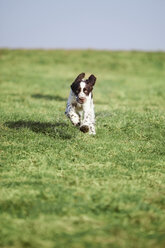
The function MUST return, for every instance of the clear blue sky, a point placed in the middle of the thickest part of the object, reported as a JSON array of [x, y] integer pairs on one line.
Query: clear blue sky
[[100, 24]]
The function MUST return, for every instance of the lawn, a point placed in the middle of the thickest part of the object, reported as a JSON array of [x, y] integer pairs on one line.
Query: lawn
[[63, 188]]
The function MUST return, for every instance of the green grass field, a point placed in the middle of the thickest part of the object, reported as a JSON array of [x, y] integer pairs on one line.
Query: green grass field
[[63, 188]]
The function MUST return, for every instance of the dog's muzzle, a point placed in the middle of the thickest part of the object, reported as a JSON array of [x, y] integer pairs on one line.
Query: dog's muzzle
[[81, 100]]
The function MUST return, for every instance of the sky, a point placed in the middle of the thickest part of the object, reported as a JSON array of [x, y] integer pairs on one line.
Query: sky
[[83, 24]]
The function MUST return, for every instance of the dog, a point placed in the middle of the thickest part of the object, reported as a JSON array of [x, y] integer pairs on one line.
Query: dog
[[80, 107]]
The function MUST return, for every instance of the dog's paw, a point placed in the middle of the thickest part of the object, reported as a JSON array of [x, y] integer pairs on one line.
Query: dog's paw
[[92, 130], [84, 129]]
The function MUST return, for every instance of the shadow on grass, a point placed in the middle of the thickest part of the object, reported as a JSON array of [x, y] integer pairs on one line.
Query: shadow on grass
[[49, 97], [55, 130]]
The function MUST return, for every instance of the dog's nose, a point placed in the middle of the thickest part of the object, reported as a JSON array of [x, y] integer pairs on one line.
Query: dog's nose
[[81, 99]]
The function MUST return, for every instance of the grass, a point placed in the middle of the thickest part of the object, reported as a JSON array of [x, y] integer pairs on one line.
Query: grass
[[62, 188]]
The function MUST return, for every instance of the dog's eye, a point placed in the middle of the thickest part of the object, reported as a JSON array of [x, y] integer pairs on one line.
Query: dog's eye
[[85, 91], [77, 91]]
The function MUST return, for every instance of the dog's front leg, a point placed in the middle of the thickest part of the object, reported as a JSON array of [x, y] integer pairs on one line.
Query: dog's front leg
[[92, 122], [85, 124], [88, 123], [72, 115], [92, 129]]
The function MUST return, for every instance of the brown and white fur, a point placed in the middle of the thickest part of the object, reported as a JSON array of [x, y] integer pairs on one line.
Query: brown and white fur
[[80, 107]]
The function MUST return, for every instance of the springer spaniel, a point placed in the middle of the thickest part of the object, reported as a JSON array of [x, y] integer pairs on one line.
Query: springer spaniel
[[80, 107]]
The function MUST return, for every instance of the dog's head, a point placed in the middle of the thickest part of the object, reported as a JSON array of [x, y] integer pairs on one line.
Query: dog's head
[[82, 88]]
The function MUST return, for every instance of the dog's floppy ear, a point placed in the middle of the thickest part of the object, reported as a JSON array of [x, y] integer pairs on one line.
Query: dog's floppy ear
[[91, 80], [78, 79]]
